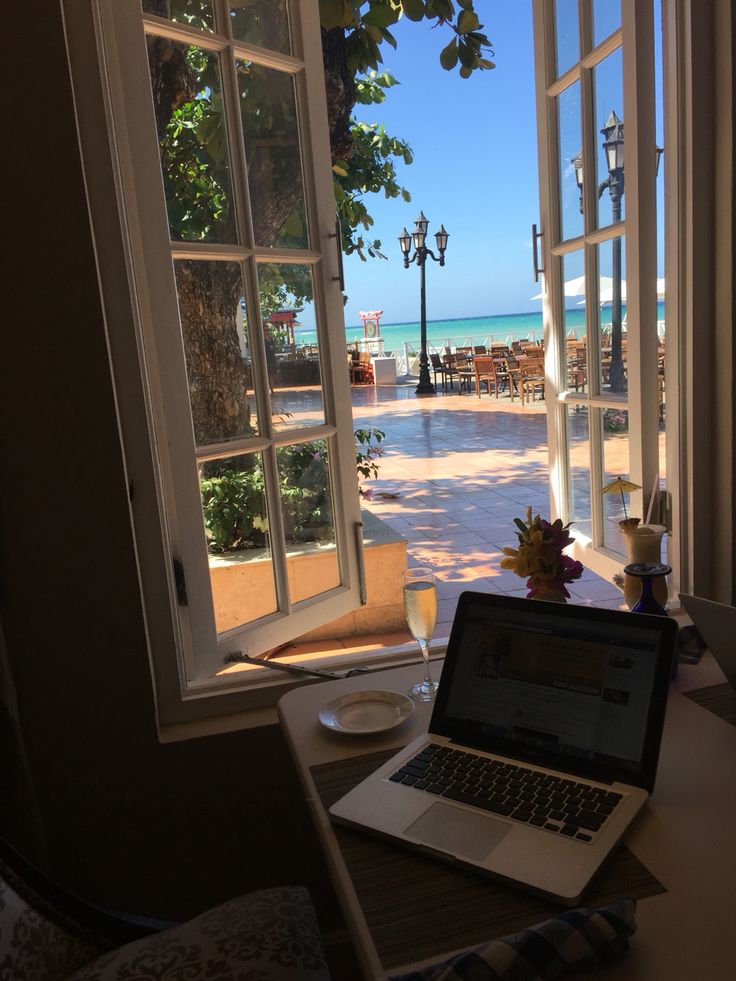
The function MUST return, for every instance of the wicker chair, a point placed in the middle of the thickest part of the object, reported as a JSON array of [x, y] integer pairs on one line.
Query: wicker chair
[[531, 379], [485, 373]]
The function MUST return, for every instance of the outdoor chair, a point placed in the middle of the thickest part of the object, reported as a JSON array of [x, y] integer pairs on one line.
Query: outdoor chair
[[441, 369], [450, 363], [502, 373], [361, 369], [465, 373], [531, 379], [509, 369], [485, 373], [479, 349], [577, 366]]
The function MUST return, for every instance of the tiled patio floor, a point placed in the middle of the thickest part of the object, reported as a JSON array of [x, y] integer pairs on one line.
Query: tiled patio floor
[[464, 467]]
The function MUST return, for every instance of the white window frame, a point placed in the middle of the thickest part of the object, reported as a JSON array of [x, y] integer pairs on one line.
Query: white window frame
[[638, 229], [123, 174]]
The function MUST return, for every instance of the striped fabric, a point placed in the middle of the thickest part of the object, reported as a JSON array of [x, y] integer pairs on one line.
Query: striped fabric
[[576, 940]]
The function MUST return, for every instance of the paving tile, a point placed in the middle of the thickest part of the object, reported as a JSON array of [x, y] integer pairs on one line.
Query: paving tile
[[464, 467]]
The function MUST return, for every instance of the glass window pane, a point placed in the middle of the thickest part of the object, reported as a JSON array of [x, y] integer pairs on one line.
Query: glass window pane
[[271, 134], [616, 506], [236, 525], [570, 141], [578, 448], [187, 95], [609, 107], [292, 349], [261, 22], [306, 504], [576, 357], [567, 43], [193, 13], [612, 316], [606, 19], [217, 350]]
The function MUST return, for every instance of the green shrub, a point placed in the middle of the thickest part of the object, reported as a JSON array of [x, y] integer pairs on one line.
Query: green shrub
[[234, 503]]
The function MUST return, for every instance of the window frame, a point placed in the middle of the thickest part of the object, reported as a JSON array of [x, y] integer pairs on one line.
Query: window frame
[[122, 169], [638, 231]]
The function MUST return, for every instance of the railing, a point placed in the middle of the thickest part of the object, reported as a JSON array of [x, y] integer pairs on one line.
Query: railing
[[407, 360]]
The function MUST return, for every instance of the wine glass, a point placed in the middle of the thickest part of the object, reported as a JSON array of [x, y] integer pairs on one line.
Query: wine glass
[[420, 604]]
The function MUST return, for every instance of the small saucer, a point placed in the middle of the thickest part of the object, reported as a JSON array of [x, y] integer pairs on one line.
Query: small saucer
[[364, 712]]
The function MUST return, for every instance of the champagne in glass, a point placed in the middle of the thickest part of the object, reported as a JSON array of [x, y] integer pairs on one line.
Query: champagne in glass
[[420, 604]]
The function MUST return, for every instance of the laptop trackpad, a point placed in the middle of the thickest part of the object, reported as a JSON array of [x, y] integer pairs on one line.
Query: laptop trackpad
[[451, 829]]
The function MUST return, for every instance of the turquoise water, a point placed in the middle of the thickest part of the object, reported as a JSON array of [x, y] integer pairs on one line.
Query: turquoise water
[[502, 328], [479, 330], [512, 326]]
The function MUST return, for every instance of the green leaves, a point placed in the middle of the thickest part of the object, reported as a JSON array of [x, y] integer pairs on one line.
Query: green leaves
[[367, 22], [448, 55], [467, 22], [381, 15], [335, 13], [414, 9], [234, 505], [371, 169]]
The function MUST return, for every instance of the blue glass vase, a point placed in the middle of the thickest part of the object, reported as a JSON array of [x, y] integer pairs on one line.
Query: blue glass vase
[[648, 572]]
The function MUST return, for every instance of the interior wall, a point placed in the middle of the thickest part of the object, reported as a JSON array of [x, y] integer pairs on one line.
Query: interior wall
[[169, 829]]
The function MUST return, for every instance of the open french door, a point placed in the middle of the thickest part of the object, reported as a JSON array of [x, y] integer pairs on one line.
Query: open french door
[[595, 68]]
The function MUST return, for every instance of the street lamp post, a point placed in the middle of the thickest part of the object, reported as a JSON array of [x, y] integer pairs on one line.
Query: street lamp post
[[421, 252], [613, 144]]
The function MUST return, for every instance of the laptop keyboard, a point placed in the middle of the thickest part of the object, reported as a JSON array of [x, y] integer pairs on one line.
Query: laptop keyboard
[[556, 804]]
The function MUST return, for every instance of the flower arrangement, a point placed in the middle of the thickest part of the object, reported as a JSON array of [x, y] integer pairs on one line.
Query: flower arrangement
[[539, 558], [615, 421]]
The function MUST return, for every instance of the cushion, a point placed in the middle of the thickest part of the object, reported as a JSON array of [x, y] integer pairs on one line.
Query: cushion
[[576, 940], [269, 935], [38, 943]]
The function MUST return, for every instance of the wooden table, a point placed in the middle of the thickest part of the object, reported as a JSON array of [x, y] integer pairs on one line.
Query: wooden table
[[686, 836]]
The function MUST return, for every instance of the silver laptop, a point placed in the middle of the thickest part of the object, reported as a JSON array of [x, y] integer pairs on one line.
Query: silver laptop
[[542, 746], [716, 624]]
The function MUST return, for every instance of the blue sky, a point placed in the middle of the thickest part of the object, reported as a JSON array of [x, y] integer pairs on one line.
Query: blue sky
[[474, 170]]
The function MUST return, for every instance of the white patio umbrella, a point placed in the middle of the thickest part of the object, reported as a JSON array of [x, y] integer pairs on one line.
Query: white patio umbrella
[[607, 293], [576, 287]]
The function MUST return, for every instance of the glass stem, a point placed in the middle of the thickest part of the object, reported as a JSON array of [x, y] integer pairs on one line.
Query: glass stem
[[424, 645]]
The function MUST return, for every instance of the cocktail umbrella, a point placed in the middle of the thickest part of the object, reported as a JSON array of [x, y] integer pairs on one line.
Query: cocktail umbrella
[[622, 486]]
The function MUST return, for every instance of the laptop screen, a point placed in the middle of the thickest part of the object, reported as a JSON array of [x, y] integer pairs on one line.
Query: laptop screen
[[575, 688]]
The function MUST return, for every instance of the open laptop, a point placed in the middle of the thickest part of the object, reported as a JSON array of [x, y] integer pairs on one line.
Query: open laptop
[[716, 624], [542, 747]]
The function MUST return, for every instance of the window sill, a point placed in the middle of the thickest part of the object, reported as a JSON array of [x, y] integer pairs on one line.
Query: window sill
[[275, 685]]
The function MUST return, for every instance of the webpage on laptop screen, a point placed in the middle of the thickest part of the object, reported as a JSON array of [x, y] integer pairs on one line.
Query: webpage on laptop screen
[[553, 686]]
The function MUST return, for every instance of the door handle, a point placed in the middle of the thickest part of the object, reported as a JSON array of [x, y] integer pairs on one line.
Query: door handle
[[337, 235], [535, 252]]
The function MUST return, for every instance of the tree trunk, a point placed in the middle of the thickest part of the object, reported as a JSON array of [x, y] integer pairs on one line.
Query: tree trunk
[[209, 292], [209, 307]]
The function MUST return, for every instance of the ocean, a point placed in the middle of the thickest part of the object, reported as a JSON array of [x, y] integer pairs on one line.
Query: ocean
[[472, 330], [501, 328]]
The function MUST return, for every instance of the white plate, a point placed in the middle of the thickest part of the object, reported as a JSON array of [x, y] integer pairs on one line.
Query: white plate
[[363, 712]]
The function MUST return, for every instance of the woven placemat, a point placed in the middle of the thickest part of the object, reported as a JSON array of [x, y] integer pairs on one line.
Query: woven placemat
[[417, 907], [718, 699]]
